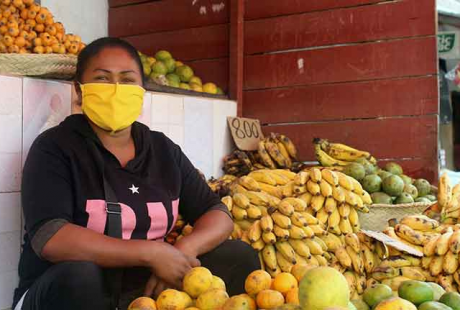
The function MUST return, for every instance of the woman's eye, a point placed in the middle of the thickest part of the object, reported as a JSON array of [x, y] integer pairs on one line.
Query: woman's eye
[[128, 81], [101, 78]]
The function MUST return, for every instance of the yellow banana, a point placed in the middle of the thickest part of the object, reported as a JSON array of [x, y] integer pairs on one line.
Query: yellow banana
[[301, 178], [244, 224], [395, 283], [415, 261], [343, 257], [456, 189], [289, 189], [245, 238], [255, 232], [352, 240], [298, 220], [281, 233], [332, 242], [286, 208], [342, 151], [311, 220], [258, 245], [266, 223], [337, 266], [297, 233], [264, 156], [321, 243], [364, 239], [298, 204], [420, 222], [366, 198], [249, 183], [237, 189], [454, 242], [330, 177], [317, 203], [313, 188], [285, 173], [371, 282], [327, 161], [356, 260], [444, 191], [426, 261], [315, 175], [240, 200], [322, 216], [239, 213], [257, 198], [269, 256], [344, 210], [262, 176], [436, 265], [381, 250], [283, 263], [351, 280], [368, 258], [308, 231], [274, 272], [354, 220], [326, 189], [383, 273], [300, 247], [263, 210], [413, 273], [450, 263], [290, 147], [334, 219], [300, 259], [410, 235], [315, 248], [273, 201], [338, 194], [271, 190], [344, 181], [306, 198], [352, 199], [268, 237], [357, 187], [286, 250], [237, 232], [321, 260], [447, 282], [228, 202], [345, 226], [330, 205], [442, 245], [261, 261], [317, 229], [281, 220], [457, 277], [254, 212], [299, 190], [285, 154], [361, 283], [390, 231], [395, 261]]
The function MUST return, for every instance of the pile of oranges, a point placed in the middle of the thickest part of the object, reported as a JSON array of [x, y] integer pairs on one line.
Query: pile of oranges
[[26, 27]]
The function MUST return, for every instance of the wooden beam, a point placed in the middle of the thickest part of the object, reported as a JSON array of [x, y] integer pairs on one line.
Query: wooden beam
[[236, 52]]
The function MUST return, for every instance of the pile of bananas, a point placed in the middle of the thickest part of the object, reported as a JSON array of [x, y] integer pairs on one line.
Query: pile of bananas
[[336, 154], [275, 151], [449, 200], [296, 218], [222, 185]]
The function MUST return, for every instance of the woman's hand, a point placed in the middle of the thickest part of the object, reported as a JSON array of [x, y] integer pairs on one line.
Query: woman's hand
[[155, 286], [170, 264]]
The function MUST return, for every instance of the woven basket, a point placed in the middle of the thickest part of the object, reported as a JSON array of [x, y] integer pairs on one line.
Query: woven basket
[[379, 214], [53, 66]]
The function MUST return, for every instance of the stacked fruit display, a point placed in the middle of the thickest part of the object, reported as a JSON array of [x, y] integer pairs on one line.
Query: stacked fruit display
[[449, 200], [26, 27], [340, 155], [163, 69], [274, 151]]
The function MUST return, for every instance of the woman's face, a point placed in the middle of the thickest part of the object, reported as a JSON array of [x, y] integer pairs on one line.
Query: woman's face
[[112, 65]]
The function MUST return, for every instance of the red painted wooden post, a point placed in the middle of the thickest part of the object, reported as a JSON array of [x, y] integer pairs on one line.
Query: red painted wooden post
[[236, 52]]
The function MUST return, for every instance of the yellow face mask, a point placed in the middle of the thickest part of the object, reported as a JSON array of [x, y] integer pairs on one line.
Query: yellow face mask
[[112, 107]]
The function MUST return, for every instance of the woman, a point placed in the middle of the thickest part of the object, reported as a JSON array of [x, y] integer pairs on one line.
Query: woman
[[101, 175]]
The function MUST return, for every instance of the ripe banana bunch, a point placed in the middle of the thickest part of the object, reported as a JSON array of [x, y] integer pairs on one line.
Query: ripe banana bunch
[[277, 151], [449, 200], [237, 163], [336, 154], [221, 186]]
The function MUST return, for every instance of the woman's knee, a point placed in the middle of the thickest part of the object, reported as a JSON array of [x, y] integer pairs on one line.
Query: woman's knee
[[84, 276]]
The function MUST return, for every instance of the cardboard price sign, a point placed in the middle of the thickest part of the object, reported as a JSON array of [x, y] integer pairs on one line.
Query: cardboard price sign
[[246, 132]]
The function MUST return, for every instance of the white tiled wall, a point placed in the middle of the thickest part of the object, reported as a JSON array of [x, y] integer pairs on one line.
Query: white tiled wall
[[30, 106]]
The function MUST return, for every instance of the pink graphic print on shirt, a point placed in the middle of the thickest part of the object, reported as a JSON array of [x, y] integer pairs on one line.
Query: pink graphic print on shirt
[[159, 219], [97, 219]]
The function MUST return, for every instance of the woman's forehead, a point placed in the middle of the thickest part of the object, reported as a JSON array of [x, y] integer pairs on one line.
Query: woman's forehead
[[113, 59]]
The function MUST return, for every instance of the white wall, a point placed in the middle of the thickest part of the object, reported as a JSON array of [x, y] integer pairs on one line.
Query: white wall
[[87, 18]]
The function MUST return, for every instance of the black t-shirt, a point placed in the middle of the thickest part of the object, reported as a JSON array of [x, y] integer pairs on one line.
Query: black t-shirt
[[62, 182]]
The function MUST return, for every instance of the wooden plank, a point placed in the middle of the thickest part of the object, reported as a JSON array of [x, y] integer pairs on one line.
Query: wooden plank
[[342, 64], [269, 8], [409, 18], [400, 137], [237, 53], [371, 99], [168, 15], [188, 44], [215, 71], [426, 168], [117, 3]]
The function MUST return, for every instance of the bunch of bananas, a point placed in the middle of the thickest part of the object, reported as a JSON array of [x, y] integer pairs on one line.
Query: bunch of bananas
[[221, 186], [240, 163], [449, 200], [336, 154]]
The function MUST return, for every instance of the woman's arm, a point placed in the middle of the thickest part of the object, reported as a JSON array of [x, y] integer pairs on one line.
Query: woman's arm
[[210, 230], [75, 243]]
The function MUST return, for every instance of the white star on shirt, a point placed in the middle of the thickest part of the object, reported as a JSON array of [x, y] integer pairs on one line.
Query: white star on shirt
[[134, 189]]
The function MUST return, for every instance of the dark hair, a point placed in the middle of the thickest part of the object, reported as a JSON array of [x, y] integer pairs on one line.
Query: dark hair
[[95, 47]]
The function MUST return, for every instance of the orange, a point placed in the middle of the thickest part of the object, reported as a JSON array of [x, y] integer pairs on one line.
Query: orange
[[74, 48], [20, 42], [14, 32], [257, 281], [39, 49], [285, 282], [35, 7], [48, 50], [49, 21], [31, 14], [13, 49], [59, 27], [51, 30], [269, 299], [3, 29], [32, 35], [6, 2], [40, 28], [24, 14], [23, 51], [38, 42], [292, 296]]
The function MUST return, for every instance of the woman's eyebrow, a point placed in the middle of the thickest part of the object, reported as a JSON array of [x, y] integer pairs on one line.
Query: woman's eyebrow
[[103, 70]]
